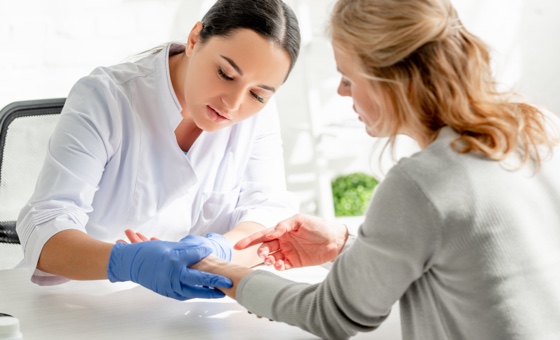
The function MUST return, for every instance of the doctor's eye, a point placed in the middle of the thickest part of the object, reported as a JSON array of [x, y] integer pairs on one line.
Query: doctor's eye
[[224, 75], [257, 97], [345, 82]]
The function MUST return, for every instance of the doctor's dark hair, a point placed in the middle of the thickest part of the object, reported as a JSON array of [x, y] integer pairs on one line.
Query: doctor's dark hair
[[272, 19]]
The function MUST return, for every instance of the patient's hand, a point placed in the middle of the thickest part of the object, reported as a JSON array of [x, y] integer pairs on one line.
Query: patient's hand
[[298, 242]]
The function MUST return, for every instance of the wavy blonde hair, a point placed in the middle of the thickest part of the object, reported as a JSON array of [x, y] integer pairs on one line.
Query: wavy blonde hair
[[431, 72]]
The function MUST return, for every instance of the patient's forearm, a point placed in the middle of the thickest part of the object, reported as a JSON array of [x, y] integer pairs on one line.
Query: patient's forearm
[[214, 265], [246, 257]]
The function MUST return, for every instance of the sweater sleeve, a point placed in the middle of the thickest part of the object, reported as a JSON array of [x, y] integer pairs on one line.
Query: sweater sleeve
[[393, 248]]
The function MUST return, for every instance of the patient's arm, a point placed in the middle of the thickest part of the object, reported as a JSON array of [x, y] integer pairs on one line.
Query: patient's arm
[[234, 272], [210, 264], [247, 257]]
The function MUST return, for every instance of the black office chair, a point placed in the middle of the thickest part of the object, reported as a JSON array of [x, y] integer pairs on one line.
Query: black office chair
[[25, 128]]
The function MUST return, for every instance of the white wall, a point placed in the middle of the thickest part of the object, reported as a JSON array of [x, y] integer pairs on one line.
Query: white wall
[[46, 45]]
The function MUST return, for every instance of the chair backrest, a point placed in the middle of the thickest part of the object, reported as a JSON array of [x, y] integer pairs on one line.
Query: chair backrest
[[25, 128]]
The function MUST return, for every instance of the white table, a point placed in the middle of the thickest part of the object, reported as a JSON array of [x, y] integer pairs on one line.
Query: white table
[[103, 310]]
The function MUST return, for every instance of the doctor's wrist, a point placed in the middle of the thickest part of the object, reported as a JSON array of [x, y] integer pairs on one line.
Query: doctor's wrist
[[115, 268], [221, 246]]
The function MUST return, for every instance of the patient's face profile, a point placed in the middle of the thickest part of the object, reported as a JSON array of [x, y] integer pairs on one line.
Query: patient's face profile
[[354, 84], [229, 79]]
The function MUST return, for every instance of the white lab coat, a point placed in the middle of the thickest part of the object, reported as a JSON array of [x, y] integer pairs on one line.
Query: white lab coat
[[113, 163]]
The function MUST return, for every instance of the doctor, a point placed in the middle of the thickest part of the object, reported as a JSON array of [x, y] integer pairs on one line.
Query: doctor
[[179, 142]]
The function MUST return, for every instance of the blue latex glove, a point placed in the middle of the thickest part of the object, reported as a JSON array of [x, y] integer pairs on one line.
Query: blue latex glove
[[219, 244], [162, 267]]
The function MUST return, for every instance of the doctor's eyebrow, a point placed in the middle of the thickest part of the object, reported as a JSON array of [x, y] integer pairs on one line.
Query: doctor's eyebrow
[[233, 64], [238, 69]]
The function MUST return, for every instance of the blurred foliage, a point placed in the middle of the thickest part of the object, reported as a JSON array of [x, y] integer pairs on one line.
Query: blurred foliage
[[352, 193]]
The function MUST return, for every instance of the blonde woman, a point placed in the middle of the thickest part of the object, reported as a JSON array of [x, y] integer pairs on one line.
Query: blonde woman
[[465, 233]]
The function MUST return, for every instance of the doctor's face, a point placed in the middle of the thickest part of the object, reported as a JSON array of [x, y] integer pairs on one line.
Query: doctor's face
[[229, 79]]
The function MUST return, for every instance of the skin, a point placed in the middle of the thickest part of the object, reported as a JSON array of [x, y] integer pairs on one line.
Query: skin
[[296, 242], [218, 84], [299, 241], [367, 99], [222, 76], [357, 87], [234, 272]]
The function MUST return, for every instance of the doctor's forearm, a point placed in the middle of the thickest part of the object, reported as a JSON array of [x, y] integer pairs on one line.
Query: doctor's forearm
[[247, 257], [76, 256]]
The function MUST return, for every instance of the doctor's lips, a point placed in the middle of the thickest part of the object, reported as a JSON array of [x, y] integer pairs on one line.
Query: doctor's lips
[[220, 113]]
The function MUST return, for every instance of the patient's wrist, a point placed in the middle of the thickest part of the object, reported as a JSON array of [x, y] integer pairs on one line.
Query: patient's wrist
[[342, 238], [215, 265], [209, 264]]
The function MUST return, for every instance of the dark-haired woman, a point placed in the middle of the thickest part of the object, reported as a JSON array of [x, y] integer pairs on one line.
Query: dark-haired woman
[[179, 142]]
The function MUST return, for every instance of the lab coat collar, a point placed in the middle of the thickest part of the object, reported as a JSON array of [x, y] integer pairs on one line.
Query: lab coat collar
[[174, 108]]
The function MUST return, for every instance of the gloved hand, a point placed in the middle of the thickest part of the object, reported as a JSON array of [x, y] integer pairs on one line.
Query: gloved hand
[[219, 244], [162, 267]]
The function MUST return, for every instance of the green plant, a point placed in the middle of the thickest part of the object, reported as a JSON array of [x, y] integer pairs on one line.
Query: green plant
[[352, 193]]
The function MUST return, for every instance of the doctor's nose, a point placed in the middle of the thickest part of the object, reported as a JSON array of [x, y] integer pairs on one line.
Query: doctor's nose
[[233, 99]]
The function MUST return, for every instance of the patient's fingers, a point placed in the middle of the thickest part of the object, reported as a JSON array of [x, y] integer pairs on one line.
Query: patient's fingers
[[283, 265], [266, 235], [272, 259], [256, 238], [278, 256], [278, 259], [268, 247]]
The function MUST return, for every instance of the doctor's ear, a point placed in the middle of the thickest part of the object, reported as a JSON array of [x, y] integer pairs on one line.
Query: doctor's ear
[[193, 39]]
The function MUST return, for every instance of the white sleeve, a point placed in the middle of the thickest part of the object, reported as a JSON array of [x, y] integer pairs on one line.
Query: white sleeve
[[263, 197], [77, 153]]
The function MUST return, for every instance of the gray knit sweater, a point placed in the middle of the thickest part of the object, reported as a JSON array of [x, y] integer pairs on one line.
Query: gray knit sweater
[[470, 248]]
